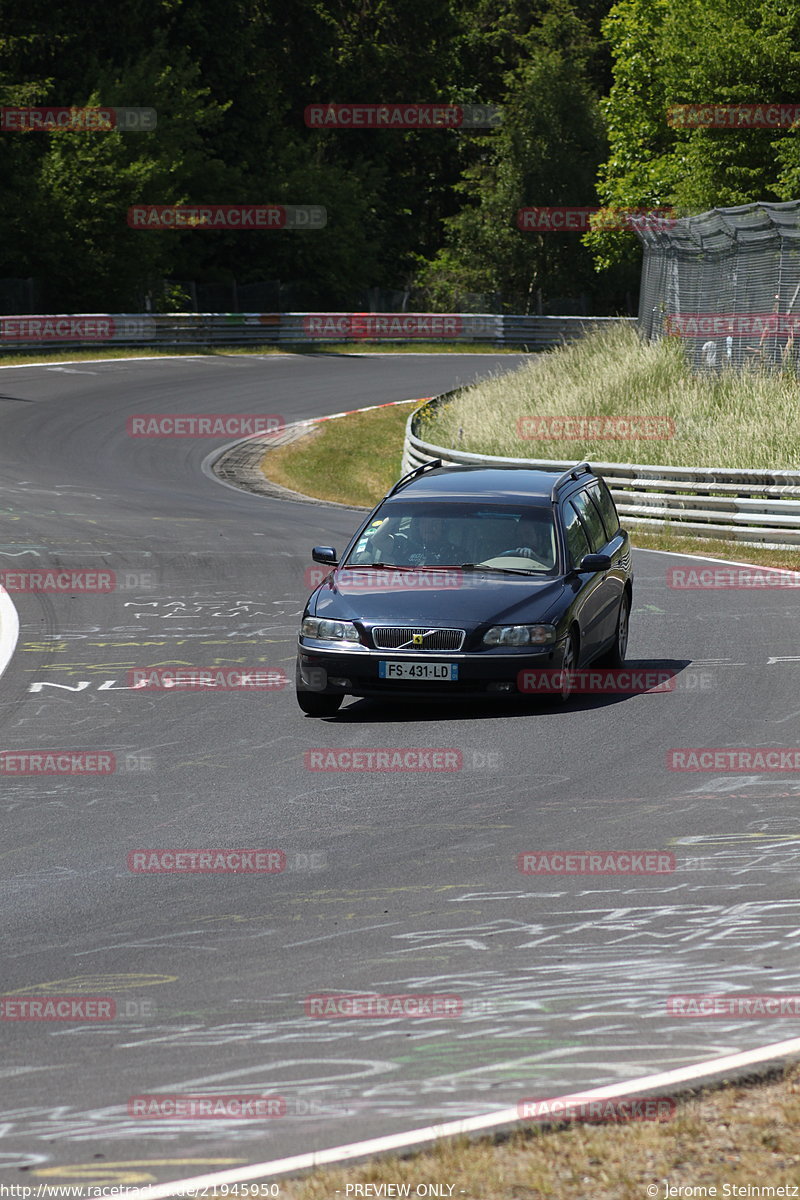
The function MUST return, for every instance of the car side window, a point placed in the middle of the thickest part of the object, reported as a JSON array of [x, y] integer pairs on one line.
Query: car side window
[[591, 519], [576, 538], [604, 501]]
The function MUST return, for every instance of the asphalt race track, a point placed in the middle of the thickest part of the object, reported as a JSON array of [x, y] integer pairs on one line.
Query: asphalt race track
[[395, 882]]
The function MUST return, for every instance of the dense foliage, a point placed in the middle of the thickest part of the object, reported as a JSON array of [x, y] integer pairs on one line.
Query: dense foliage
[[425, 215]]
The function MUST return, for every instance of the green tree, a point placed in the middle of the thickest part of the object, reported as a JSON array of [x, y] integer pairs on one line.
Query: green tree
[[545, 153], [696, 53]]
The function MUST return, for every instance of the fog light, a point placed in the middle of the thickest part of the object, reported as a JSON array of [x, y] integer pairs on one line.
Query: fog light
[[501, 687], [336, 682]]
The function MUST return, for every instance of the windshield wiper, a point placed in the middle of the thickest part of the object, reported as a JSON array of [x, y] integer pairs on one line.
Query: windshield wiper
[[502, 570], [397, 567]]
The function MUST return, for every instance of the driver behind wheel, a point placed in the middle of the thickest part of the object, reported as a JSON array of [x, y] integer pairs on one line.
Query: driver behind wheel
[[426, 545], [535, 541]]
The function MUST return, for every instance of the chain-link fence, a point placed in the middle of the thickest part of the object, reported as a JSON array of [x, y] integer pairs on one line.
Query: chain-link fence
[[727, 282]]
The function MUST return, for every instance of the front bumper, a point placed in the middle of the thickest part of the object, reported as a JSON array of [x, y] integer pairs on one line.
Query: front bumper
[[355, 672]]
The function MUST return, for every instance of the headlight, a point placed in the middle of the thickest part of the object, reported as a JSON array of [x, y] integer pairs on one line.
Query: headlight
[[519, 635], [329, 631]]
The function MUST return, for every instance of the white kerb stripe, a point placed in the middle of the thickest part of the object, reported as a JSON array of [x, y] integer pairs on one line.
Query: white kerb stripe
[[9, 629]]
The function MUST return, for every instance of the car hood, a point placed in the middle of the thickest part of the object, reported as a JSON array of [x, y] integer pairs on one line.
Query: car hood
[[464, 599]]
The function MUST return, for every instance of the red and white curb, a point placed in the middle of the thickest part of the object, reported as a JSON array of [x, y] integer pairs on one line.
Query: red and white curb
[[281, 437], [288, 432], [349, 412], [418, 1138]]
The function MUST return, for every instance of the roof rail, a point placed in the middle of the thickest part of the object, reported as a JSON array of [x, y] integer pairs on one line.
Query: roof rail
[[572, 473], [435, 462]]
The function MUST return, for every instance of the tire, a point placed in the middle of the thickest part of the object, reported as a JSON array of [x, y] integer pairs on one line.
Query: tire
[[569, 664], [316, 704], [615, 657]]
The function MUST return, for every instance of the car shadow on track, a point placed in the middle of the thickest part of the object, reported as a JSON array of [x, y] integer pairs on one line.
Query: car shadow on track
[[414, 710]]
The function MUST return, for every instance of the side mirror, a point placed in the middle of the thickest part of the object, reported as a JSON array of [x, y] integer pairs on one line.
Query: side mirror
[[595, 562], [327, 555]]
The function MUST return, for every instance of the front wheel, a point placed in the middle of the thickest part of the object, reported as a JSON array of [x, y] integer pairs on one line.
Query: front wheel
[[316, 704]]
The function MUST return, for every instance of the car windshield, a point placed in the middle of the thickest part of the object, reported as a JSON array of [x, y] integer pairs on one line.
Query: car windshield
[[515, 537]]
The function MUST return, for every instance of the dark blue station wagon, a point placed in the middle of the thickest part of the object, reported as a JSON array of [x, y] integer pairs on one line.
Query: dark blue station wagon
[[460, 580]]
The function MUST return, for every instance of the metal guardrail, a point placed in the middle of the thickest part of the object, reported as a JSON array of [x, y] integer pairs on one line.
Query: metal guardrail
[[740, 505], [82, 330]]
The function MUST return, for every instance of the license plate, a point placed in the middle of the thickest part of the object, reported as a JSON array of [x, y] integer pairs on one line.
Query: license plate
[[418, 670]]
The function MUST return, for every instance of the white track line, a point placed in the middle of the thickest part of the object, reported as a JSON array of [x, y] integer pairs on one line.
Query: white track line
[[728, 561], [71, 362], [431, 1133], [9, 629]]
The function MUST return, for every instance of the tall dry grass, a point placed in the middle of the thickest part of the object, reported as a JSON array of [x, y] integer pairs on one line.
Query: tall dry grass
[[737, 418]]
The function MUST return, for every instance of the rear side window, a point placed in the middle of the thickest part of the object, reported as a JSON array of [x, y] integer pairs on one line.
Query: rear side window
[[576, 538], [604, 501], [590, 516]]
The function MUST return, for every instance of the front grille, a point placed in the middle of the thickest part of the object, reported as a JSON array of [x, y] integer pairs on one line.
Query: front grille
[[390, 637]]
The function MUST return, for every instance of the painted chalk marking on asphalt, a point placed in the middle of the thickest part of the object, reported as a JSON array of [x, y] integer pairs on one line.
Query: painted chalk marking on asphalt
[[491, 1120]]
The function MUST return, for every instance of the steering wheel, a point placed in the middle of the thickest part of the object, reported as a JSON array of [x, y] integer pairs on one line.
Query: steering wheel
[[399, 546]]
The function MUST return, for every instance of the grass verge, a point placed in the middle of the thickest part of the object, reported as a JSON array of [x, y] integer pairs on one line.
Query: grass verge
[[64, 354], [732, 419], [733, 1135], [356, 459], [353, 459]]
